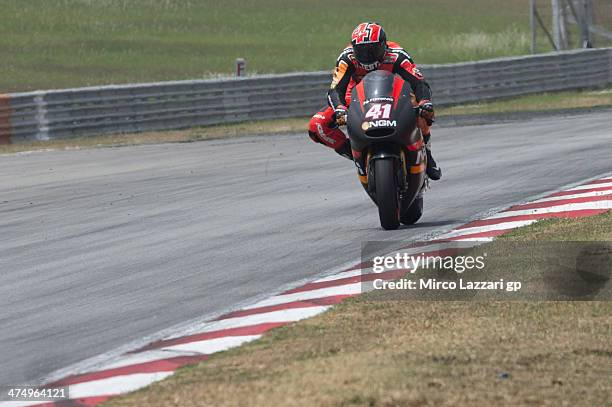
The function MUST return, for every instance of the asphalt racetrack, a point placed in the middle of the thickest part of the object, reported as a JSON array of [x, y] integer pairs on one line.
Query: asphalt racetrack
[[102, 247]]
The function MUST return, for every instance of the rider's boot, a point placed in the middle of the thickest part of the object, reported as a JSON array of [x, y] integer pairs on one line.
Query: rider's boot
[[433, 171]]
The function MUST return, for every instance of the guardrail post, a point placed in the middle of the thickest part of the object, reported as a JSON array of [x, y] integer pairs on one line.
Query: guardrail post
[[610, 66], [41, 117], [5, 119]]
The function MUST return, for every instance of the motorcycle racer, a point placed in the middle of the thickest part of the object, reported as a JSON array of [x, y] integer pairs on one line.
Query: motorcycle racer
[[369, 50]]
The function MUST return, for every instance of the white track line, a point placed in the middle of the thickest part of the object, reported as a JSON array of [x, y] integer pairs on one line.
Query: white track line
[[344, 289], [574, 196], [557, 208], [115, 385], [343, 274], [478, 240], [286, 315], [144, 357], [490, 228], [589, 186], [22, 403], [209, 346]]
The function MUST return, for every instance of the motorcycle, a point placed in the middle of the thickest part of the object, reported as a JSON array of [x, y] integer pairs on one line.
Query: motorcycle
[[388, 147]]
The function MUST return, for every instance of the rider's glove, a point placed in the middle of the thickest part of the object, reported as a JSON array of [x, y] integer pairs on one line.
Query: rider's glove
[[340, 113], [426, 110]]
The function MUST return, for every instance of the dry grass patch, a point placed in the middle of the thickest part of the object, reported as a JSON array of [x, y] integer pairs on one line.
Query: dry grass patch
[[264, 127], [536, 102]]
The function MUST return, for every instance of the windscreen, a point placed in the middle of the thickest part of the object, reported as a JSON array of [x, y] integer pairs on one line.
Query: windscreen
[[378, 104]]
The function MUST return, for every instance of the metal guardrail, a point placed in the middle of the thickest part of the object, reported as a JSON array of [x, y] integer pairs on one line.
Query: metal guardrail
[[88, 111]]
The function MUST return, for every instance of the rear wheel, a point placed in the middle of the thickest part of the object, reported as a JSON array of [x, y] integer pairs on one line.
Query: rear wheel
[[386, 193], [413, 213]]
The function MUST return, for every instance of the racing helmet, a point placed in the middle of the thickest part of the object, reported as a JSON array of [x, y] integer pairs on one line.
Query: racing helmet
[[369, 43]]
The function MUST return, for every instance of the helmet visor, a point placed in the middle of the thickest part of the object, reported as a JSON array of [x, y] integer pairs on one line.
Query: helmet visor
[[368, 54]]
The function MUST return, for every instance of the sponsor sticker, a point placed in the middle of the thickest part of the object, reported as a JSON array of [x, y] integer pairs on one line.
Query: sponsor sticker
[[383, 123]]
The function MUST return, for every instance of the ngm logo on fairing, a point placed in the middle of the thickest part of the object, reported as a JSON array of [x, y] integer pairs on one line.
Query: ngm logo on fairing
[[378, 123], [383, 123]]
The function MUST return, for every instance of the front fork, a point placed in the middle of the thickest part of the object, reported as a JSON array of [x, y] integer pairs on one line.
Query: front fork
[[411, 167]]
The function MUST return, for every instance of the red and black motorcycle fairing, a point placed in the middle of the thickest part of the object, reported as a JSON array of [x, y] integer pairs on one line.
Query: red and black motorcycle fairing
[[382, 124]]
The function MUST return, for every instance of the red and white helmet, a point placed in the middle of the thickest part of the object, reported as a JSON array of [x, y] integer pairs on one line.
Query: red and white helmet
[[369, 43]]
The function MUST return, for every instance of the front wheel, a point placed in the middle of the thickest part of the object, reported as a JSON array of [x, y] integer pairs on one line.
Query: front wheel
[[386, 193]]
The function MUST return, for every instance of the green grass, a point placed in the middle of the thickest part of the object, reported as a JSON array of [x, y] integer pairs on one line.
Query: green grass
[[66, 43]]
